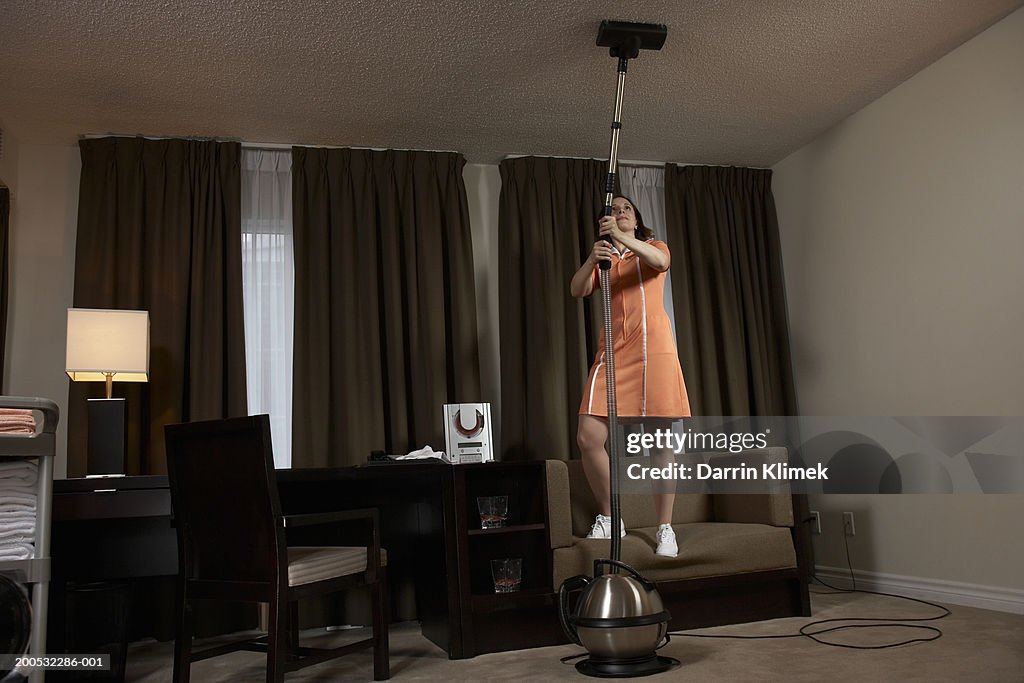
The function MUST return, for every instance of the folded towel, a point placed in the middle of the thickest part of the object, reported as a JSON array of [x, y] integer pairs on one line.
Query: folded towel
[[17, 536], [23, 494], [21, 511], [18, 497], [16, 465], [12, 518], [17, 421], [17, 551], [19, 471], [22, 526], [18, 412], [18, 483]]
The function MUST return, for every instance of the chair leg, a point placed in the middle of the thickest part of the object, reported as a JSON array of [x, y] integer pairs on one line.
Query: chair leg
[[381, 621], [182, 638], [277, 635], [293, 630]]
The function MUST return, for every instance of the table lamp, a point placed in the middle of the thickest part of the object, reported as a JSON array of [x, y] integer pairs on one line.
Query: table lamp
[[106, 345]]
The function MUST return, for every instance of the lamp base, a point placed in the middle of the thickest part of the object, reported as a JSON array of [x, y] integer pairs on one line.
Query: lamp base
[[107, 436]]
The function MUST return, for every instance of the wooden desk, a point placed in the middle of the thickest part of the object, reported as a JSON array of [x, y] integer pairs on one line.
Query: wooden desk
[[414, 500], [119, 528]]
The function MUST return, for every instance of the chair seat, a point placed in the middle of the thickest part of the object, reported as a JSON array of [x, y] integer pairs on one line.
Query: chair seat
[[309, 564]]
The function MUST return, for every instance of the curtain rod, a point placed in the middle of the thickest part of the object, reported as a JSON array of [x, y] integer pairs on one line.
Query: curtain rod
[[259, 145], [622, 162], [284, 145]]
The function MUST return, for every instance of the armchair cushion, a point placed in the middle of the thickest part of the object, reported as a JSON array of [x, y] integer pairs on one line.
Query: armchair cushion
[[705, 549], [308, 564]]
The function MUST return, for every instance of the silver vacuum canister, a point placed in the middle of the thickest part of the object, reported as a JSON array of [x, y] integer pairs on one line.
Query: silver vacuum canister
[[619, 618]]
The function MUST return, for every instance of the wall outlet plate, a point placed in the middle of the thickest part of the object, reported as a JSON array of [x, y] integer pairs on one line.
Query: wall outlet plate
[[848, 526]]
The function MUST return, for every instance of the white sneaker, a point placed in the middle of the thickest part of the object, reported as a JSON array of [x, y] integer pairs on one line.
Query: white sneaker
[[666, 538], [603, 527]]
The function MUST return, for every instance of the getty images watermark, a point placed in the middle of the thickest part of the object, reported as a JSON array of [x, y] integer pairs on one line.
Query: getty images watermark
[[851, 454]]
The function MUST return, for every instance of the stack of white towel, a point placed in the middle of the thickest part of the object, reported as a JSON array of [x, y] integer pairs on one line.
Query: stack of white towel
[[18, 509], [17, 491]]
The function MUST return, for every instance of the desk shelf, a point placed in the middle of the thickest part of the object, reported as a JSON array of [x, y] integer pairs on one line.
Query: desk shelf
[[513, 529], [495, 622]]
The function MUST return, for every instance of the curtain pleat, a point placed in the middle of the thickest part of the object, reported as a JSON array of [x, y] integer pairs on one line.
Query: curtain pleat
[[385, 307], [729, 291], [159, 229], [548, 213]]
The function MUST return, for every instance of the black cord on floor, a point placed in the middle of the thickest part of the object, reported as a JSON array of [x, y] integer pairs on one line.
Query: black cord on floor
[[566, 660], [890, 622]]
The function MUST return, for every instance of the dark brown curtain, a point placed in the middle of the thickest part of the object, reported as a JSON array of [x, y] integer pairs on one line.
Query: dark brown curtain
[[548, 215], [159, 228], [5, 213], [385, 308], [728, 290]]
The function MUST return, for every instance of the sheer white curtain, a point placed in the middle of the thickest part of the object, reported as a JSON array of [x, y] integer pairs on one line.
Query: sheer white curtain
[[646, 186], [268, 286]]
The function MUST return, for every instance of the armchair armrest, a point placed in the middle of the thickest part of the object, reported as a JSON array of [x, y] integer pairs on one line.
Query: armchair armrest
[[556, 476], [774, 508]]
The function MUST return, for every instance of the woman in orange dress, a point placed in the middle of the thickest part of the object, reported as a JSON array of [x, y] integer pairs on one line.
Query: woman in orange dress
[[649, 384]]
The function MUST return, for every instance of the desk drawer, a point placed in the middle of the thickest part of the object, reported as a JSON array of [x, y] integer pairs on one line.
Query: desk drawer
[[112, 504]]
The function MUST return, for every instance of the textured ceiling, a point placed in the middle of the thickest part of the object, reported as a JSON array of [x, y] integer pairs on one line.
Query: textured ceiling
[[738, 82]]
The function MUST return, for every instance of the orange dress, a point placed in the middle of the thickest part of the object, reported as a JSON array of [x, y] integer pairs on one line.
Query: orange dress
[[648, 378]]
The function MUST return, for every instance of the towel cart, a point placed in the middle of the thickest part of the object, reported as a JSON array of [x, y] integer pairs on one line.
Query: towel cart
[[35, 571]]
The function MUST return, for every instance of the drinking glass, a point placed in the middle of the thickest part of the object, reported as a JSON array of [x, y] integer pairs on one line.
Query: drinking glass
[[507, 574]]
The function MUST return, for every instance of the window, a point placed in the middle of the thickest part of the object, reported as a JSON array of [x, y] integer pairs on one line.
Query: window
[[268, 286]]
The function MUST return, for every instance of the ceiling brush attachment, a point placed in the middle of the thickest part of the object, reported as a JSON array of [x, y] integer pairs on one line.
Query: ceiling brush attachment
[[625, 39]]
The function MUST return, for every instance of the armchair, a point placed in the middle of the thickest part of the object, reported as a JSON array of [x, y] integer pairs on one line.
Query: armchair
[[742, 557]]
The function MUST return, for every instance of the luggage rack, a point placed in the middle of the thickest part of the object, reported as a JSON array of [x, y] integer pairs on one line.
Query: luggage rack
[[35, 571]]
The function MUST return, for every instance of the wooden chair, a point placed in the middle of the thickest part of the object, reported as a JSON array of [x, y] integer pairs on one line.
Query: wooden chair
[[232, 546]]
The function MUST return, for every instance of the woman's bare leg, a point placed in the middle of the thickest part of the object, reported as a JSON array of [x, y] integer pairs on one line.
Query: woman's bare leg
[[591, 437], [664, 490]]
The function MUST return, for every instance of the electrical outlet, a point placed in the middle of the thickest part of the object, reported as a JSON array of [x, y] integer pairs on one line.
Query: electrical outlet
[[848, 526], [815, 522]]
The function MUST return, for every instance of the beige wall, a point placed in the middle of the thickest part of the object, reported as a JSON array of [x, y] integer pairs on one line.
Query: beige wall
[[9, 178], [9, 160], [43, 223], [903, 238]]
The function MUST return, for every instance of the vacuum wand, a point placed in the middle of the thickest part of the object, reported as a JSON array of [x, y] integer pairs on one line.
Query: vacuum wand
[[619, 617], [609, 339], [624, 41]]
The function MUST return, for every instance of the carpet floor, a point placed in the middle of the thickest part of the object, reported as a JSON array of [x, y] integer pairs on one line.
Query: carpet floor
[[976, 645]]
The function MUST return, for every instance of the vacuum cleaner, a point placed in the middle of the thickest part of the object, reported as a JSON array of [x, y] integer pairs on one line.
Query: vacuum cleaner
[[619, 617]]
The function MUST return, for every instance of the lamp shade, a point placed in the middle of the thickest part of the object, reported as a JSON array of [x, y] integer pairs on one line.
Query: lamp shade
[[102, 341]]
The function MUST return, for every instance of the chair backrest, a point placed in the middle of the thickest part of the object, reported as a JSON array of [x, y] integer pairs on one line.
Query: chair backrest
[[224, 494]]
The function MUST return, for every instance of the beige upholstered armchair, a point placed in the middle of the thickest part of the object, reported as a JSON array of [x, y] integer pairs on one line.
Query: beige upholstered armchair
[[742, 557]]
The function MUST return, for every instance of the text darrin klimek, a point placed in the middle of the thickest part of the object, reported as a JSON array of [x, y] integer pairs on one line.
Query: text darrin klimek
[[703, 471]]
